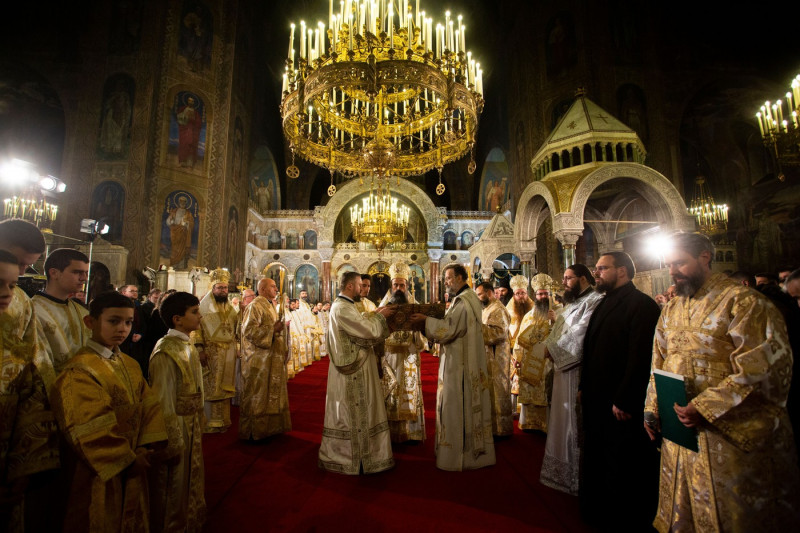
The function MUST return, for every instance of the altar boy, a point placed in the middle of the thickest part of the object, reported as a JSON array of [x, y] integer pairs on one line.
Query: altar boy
[[110, 419], [177, 500]]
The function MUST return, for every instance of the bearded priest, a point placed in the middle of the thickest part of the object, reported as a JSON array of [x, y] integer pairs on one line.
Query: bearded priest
[[402, 384], [216, 343], [517, 308], [498, 359], [529, 352]]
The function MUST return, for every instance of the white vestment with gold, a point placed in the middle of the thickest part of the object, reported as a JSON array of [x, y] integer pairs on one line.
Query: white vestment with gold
[[463, 406], [355, 434]]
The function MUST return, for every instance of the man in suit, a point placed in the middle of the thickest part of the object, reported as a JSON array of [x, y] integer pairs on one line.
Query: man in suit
[[619, 481]]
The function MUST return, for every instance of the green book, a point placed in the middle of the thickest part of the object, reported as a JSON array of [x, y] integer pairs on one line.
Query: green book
[[671, 389]]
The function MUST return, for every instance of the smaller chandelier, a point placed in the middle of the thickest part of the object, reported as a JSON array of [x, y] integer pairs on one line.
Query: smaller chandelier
[[781, 133], [712, 219], [380, 220], [31, 202], [35, 210]]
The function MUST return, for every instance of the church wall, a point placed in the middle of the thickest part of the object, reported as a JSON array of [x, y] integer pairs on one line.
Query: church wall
[[127, 60]]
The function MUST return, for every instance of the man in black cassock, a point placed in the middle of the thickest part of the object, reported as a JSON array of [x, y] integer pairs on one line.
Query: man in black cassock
[[619, 474]]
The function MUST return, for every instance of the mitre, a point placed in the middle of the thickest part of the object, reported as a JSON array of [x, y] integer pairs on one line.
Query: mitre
[[519, 282], [220, 275], [399, 270], [541, 282]]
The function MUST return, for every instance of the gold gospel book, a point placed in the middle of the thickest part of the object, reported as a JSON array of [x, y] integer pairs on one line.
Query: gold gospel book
[[401, 320]]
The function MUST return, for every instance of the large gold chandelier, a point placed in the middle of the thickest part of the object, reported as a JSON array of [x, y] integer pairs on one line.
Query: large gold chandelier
[[712, 219], [380, 220], [381, 91], [781, 133]]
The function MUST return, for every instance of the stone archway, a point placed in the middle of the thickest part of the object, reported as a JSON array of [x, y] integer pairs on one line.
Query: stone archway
[[535, 205], [653, 186], [351, 190]]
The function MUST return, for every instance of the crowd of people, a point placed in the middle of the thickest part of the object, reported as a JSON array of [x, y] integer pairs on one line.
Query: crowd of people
[[108, 402]]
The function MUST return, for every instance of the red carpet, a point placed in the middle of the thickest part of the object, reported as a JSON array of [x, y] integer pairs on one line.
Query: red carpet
[[277, 486]]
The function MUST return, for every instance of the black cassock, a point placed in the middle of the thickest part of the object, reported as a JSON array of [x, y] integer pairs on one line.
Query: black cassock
[[620, 465]]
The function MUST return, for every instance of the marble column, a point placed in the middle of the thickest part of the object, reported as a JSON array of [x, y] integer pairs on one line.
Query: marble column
[[326, 281], [433, 275], [290, 281], [568, 241]]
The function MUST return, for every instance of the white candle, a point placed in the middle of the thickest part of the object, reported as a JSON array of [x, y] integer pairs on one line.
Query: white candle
[[335, 33], [350, 30], [419, 17], [291, 41], [429, 35], [796, 91], [363, 16], [463, 38], [449, 44], [302, 39], [285, 83], [760, 124], [794, 118], [330, 13], [460, 31], [310, 45], [390, 24], [410, 29], [321, 39]]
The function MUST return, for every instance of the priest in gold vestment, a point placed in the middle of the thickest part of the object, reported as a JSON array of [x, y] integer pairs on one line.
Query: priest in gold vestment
[[28, 432], [496, 321], [355, 434], [109, 418], [265, 399], [177, 478], [216, 343], [533, 366], [517, 308], [731, 345], [402, 383], [463, 406]]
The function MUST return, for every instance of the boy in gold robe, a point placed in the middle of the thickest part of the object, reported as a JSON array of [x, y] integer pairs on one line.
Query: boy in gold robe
[[110, 420], [177, 500]]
